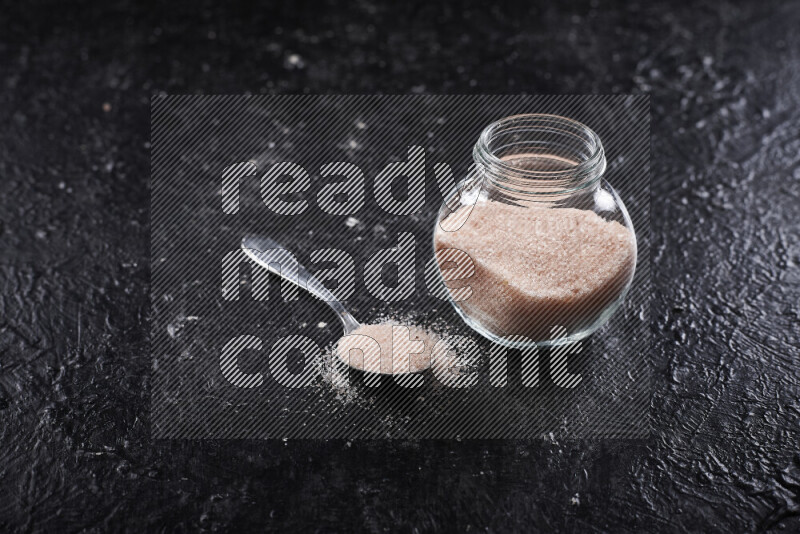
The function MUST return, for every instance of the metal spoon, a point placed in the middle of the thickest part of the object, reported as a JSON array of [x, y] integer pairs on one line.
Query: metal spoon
[[275, 258]]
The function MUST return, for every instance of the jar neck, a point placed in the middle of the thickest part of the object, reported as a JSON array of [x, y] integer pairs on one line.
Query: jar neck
[[539, 157]]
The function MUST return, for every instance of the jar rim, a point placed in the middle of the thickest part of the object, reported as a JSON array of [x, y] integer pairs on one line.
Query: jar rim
[[501, 173]]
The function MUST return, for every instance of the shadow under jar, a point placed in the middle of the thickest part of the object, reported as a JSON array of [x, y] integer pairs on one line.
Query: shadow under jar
[[537, 247]]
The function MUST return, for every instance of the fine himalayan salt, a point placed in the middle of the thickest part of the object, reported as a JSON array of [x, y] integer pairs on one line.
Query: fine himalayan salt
[[537, 268], [388, 348]]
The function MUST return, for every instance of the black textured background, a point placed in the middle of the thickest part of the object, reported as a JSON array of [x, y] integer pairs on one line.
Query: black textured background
[[75, 451]]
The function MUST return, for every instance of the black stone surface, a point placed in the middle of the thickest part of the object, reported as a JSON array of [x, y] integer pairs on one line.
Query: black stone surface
[[75, 446]]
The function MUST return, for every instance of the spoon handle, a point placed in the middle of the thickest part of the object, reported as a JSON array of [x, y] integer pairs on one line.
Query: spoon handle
[[274, 257]]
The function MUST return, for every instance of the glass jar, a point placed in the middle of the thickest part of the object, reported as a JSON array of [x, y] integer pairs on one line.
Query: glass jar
[[534, 246]]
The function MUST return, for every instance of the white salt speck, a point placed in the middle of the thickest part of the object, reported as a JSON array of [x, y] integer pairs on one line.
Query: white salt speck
[[321, 324], [41, 234], [62, 185], [361, 125], [294, 61], [575, 500], [604, 201], [353, 144], [174, 328], [351, 222]]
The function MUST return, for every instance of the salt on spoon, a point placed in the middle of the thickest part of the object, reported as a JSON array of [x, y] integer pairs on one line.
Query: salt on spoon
[[388, 348]]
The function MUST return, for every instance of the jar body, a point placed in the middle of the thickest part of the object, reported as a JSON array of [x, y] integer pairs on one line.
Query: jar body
[[539, 251]]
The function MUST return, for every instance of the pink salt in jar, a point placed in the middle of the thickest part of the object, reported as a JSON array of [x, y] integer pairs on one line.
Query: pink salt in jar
[[535, 247]]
